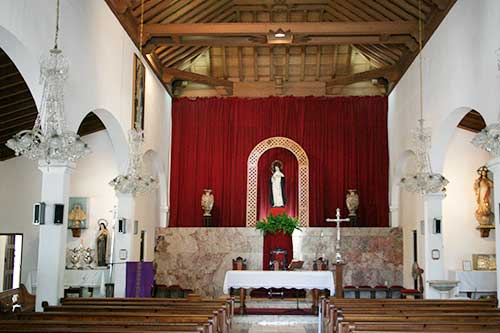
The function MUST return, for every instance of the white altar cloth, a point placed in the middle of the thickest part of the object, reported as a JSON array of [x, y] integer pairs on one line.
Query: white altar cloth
[[475, 281], [279, 279]]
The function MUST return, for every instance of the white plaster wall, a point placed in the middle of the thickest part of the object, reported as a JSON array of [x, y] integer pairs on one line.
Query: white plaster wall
[[20, 187], [459, 73], [461, 239], [91, 180], [101, 75]]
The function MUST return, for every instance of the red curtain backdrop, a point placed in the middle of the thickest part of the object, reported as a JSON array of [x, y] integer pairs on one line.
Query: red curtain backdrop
[[345, 139]]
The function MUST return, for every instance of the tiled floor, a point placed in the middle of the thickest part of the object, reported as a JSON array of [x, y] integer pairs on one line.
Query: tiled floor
[[274, 324]]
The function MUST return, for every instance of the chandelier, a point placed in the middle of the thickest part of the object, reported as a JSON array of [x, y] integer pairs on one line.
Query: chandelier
[[50, 140], [134, 181], [489, 139], [423, 180]]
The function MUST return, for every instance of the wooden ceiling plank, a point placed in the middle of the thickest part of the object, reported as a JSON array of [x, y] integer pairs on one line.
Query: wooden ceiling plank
[[19, 109], [175, 52], [183, 11], [8, 75], [183, 64], [309, 28], [409, 8], [358, 11], [25, 115], [204, 79], [29, 122], [287, 63], [219, 7], [255, 64], [425, 8], [18, 92], [384, 52], [369, 10], [224, 63], [372, 56], [202, 8], [18, 101], [302, 63], [396, 10], [388, 72], [441, 4], [12, 84], [381, 9], [318, 63], [191, 53], [338, 8], [160, 11], [334, 61], [240, 64]]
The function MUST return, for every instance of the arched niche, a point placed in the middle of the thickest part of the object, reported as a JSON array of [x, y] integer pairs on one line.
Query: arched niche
[[118, 138], [252, 177]]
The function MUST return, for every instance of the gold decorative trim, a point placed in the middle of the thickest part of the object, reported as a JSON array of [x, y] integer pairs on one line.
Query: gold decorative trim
[[252, 176]]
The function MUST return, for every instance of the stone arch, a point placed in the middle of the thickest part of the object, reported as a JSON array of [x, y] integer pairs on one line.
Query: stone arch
[[158, 171], [252, 176], [443, 134], [116, 134], [26, 63]]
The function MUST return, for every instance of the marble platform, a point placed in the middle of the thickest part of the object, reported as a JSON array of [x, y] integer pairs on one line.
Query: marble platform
[[198, 258]]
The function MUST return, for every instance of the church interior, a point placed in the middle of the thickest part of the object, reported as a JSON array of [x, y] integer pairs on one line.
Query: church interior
[[238, 166]]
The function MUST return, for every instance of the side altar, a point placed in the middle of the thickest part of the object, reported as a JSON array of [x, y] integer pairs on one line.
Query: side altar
[[200, 257]]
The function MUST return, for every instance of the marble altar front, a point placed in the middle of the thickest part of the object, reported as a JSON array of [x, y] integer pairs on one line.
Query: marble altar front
[[198, 258]]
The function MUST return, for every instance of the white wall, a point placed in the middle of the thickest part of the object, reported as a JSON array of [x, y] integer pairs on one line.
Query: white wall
[[459, 74], [101, 76], [461, 239], [91, 180]]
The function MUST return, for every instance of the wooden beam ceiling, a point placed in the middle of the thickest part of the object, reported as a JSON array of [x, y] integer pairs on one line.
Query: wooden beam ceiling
[[347, 46]]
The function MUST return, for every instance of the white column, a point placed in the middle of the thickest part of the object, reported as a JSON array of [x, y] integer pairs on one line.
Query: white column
[[52, 237], [163, 216], [434, 268], [494, 167], [123, 242]]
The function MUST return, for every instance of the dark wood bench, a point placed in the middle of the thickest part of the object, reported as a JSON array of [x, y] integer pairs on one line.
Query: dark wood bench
[[16, 300]]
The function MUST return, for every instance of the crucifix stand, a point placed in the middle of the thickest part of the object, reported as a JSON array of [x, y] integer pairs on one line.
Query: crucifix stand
[[339, 262]]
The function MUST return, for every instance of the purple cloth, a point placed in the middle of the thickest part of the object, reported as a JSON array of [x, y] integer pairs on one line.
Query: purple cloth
[[140, 277]]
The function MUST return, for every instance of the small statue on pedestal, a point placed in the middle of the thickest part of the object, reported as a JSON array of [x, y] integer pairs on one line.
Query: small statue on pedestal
[[483, 213]]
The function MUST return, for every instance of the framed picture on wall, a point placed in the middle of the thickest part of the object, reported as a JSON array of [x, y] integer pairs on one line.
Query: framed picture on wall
[[138, 96], [78, 214]]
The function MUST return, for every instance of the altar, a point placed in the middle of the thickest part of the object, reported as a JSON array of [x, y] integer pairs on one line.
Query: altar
[[199, 258]]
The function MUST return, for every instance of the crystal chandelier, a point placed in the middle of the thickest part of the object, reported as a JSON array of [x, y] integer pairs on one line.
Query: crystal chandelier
[[134, 181], [423, 180], [489, 139], [49, 140]]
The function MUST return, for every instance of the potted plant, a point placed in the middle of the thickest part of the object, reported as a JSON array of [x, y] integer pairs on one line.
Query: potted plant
[[278, 223]]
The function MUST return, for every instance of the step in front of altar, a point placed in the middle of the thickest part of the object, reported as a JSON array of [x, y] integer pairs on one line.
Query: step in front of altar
[[277, 303]]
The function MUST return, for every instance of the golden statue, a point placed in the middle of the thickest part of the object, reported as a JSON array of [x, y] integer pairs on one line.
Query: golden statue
[[482, 187]]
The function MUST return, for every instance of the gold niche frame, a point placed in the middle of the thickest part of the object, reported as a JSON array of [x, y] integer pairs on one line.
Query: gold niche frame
[[252, 176]]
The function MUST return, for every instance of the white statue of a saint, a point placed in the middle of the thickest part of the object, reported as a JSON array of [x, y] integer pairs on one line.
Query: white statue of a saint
[[277, 184]]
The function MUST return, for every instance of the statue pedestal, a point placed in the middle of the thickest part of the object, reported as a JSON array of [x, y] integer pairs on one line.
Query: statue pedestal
[[207, 221]]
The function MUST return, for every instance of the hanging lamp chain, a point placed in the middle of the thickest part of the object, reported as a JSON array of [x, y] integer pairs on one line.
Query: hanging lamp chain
[[57, 24], [142, 27], [420, 62]]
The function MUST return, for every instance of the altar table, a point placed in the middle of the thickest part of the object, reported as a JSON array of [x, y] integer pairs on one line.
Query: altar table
[[475, 281], [309, 280]]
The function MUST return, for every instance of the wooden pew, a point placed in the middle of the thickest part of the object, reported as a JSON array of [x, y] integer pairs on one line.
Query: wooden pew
[[423, 327], [218, 312], [18, 299], [342, 314]]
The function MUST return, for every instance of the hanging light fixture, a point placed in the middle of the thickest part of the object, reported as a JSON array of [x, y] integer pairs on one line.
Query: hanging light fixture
[[134, 181], [423, 180], [50, 140]]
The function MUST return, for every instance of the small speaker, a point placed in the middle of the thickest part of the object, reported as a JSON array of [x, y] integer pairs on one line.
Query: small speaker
[[436, 226], [122, 225], [39, 213], [58, 213]]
